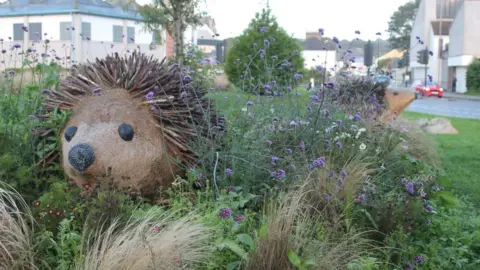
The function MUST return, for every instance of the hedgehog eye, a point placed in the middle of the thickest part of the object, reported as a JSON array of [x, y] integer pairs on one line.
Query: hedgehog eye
[[70, 132], [126, 132]]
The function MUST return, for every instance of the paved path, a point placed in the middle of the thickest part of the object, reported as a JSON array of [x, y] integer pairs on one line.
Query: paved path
[[446, 107]]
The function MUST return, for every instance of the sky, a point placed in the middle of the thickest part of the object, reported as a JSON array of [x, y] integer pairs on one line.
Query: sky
[[340, 18]]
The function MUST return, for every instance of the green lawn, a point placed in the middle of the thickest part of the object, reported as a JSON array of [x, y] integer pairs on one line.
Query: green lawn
[[460, 154]]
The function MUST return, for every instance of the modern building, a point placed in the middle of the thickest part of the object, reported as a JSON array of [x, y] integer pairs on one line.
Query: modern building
[[448, 28], [77, 30]]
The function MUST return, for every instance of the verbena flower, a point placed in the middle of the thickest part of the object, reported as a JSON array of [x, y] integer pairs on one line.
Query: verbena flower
[[149, 96], [238, 218], [281, 174], [319, 162], [418, 259], [228, 172], [302, 146], [225, 213], [410, 188]]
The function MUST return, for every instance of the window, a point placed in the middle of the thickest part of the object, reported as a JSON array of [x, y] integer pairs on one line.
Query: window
[[117, 33], [17, 31], [64, 33], [86, 30], [35, 31], [131, 34]]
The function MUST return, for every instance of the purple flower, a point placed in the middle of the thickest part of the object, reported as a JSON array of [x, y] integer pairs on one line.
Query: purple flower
[[361, 198], [302, 146], [418, 259], [250, 103], [344, 174], [423, 194], [297, 76], [228, 172], [315, 98], [328, 198], [149, 96], [266, 42], [17, 46], [267, 86], [339, 123], [319, 162], [410, 188], [321, 31], [263, 29], [238, 218], [319, 68], [404, 181], [274, 159], [225, 213], [338, 144], [335, 39], [96, 90], [198, 176], [429, 208], [293, 123], [281, 174], [357, 116]]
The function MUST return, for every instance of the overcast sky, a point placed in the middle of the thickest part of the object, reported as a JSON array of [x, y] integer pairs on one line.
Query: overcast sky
[[338, 17]]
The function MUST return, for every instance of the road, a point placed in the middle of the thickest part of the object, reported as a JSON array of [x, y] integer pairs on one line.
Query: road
[[446, 107]]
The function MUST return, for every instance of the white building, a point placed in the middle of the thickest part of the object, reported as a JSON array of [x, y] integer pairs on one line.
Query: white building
[[76, 30], [448, 29]]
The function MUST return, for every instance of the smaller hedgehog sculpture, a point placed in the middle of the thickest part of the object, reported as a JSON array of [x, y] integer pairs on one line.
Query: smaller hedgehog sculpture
[[133, 119]]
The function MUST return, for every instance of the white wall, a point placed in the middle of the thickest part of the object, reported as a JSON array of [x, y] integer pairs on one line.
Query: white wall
[[461, 75], [50, 24], [141, 36], [101, 27], [320, 58], [6, 26]]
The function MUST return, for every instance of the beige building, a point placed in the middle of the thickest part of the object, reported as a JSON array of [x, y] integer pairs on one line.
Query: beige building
[[449, 29]]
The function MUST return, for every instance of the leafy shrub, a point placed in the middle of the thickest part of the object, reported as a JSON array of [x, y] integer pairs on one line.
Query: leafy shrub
[[473, 76], [264, 41]]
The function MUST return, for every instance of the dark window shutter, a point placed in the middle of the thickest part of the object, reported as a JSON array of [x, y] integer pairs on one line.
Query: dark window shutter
[[86, 30], [35, 31], [17, 31], [131, 34], [64, 33], [117, 33]]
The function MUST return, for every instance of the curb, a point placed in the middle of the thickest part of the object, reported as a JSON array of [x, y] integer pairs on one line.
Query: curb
[[469, 98]]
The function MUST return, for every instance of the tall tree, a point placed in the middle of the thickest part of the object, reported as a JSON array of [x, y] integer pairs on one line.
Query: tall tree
[[174, 16], [400, 24]]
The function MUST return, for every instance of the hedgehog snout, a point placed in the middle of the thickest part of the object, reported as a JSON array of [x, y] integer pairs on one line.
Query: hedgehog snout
[[81, 156]]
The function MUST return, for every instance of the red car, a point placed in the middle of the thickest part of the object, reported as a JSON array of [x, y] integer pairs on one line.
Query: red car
[[432, 89]]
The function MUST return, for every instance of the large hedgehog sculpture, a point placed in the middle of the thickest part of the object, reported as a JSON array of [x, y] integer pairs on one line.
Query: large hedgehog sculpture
[[133, 119]]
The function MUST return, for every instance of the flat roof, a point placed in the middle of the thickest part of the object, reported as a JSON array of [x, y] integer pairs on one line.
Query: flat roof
[[112, 9]]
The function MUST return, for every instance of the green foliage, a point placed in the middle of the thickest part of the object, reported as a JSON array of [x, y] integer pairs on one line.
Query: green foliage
[[175, 16], [262, 54], [301, 264], [473, 76], [400, 24]]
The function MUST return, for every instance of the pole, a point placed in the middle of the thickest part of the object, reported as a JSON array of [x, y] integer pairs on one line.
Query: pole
[[406, 74], [440, 67]]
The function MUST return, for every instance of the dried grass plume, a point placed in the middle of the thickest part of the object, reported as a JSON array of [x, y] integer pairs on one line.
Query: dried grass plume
[[153, 241]]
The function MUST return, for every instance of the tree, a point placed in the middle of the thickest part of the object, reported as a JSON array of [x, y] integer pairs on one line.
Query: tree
[[400, 24], [263, 53], [473, 76], [174, 16]]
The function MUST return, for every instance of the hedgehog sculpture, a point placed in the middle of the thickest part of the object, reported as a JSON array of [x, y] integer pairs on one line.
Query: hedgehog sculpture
[[133, 119]]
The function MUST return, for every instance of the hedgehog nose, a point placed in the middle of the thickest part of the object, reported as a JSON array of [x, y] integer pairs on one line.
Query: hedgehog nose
[[81, 156]]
